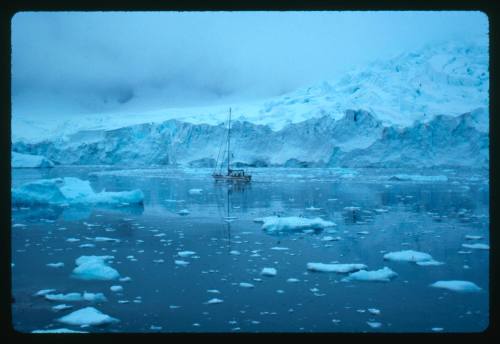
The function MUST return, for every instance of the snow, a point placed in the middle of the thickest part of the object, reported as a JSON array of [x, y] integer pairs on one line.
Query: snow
[[477, 246], [70, 190], [87, 316], [382, 275], [456, 285], [29, 161], [292, 223], [94, 268], [339, 268], [268, 272], [420, 258]]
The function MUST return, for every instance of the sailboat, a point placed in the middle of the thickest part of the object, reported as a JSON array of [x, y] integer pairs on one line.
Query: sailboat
[[231, 175]]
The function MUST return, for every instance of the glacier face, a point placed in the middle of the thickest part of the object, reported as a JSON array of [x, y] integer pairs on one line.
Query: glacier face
[[419, 109], [356, 140]]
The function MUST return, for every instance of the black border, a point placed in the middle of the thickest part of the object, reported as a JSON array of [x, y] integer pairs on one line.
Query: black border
[[9, 10]]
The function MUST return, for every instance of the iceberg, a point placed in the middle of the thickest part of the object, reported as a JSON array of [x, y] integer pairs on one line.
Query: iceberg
[[94, 268], [19, 160], [87, 316], [382, 275], [339, 268], [292, 223], [420, 258], [458, 286], [70, 191]]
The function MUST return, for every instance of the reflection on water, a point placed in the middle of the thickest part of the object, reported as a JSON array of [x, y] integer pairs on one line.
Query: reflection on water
[[373, 215]]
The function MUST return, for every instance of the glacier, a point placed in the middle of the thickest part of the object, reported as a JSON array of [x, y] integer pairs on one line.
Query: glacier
[[19, 160], [427, 108]]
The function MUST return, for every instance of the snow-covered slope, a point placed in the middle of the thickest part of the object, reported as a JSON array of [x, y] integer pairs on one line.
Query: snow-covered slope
[[428, 108]]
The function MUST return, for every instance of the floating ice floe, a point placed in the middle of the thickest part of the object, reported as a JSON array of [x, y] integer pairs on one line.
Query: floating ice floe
[[458, 286], [330, 238], [477, 246], [61, 307], [382, 275], [374, 311], [213, 301], [195, 191], [473, 237], [19, 160], [185, 254], [70, 190], [94, 268], [44, 292], [339, 268], [116, 288], [87, 316], [77, 297], [292, 223], [246, 285], [58, 330], [55, 265], [235, 252], [420, 258], [374, 324], [181, 262], [268, 272]]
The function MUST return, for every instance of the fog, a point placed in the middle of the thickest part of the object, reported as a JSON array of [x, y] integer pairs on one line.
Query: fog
[[68, 63]]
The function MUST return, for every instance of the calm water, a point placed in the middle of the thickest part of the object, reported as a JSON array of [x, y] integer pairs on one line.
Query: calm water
[[431, 217]]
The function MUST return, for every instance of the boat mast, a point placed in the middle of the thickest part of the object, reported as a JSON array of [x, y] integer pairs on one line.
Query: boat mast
[[229, 143]]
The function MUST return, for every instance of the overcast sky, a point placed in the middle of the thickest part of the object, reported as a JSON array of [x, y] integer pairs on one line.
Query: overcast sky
[[75, 62]]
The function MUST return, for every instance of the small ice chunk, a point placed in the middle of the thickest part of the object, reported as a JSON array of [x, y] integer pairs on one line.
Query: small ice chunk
[[458, 286], [473, 237], [213, 301], [64, 297], [268, 272], [55, 265], [339, 268], [330, 238], [292, 223], [235, 252], [279, 248], [374, 324], [246, 285], [183, 212], [181, 262], [420, 258], [86, 245], [44, 292], [437, 329], [87, 316], [94, 268], [213, 291], [293, 280], [72, 240], [477, 246], [61, 307], [374, 311], [185, 254], [382, 275], [125, 279], [116, 288], [104, 239]]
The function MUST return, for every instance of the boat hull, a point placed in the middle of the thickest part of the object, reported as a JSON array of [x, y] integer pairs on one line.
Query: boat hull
[[240, 179]]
